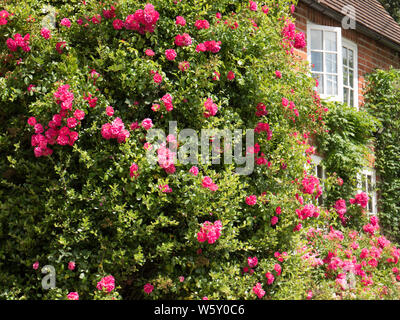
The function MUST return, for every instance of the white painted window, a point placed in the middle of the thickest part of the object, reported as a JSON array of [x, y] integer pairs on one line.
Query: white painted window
[[325, 55], [350, 73], [367, 183]]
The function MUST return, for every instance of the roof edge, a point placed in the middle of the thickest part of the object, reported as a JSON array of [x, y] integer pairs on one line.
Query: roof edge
[[359, 27]]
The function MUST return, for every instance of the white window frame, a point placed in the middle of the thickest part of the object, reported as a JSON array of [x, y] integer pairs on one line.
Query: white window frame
[[374, 200], [338, 31], [351, 45]]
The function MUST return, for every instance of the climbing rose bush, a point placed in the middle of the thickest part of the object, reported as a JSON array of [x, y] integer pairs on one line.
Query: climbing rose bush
[[78, 192]]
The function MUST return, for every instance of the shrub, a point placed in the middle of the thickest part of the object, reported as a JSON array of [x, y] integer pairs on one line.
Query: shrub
[[78, 189]]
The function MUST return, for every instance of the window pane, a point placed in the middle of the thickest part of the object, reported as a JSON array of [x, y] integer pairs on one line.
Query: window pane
[[351, 98], [330, 41], [351, 58], [351, 78], [364, 183], [369, 181], [320, 79], [345, 76], [331, 62], [320, 172], [346, 95], [345, 60], [316, 60], [331, 85], [316, 40]]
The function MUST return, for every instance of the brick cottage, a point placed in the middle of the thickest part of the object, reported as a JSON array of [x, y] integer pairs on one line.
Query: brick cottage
[[346, 39]]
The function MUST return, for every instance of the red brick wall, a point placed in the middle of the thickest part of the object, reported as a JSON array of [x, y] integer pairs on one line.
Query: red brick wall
[[371, 54]]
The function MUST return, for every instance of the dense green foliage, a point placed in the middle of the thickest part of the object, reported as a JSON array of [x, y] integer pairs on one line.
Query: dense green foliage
[[393, 7], [382, 100], [346, 146], [84, 204]]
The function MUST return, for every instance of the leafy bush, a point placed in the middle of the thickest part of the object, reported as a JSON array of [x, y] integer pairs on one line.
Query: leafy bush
[[78, 192], [382, 95]]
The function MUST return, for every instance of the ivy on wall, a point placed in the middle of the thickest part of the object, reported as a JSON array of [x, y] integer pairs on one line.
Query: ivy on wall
[[382, 101], [345, 148]]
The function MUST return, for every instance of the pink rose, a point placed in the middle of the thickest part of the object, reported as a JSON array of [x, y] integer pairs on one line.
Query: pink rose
[[251, 200], [270, 278], [170, 54], [35, 266], [118, 24], [110, 111], [252, 262], [253, 6], [32, 121], [147, 124], [194, 170], [148, 288], [73, 296], [71, 265], [231, 75], [107, 283], [45, 33], [79, 114], [66, 22], [149, 52], [180, 21]]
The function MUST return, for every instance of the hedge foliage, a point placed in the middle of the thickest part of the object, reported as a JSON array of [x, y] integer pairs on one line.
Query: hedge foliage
[[78, 193], [382, 102]]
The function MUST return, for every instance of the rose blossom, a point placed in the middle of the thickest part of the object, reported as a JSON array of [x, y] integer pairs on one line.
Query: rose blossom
[[73, 296]]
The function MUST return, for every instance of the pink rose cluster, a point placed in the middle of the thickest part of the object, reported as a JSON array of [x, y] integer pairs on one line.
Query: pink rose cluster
[[3, 17], [211, 46], [157, 78], [19, 42], [361, 199], [261, 110], [180, 21], [115, 130], [341, 209], [165, 188], [209, 184], [66, 22], [91, 100], [133, 170], [263, 127], [143, 20], [110, 13], [202, 24], [308, 211], [211, 108], [258, 290], [372, 226], [53, 135], [310, 185], [45, 33], [210, 232], [251, 200], [167, 100], [166, 159], [107, 283], [183, 40], [292, 38], [252, 262]]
